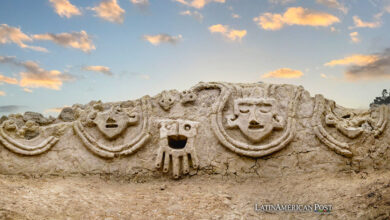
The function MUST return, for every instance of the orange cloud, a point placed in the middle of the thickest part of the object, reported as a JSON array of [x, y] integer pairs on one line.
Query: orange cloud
[[34, 76], [78, 40], [64, 8], [162, 38], [2, 93], [14, 35], [286, 73], [109, 10], [101, 69], [355, 59], [8, 80], [231, 34], [198, 3], [354, 37], [361, 24], [295, 16]]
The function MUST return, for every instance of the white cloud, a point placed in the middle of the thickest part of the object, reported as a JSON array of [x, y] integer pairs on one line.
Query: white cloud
[[195, 14], [333, 4]]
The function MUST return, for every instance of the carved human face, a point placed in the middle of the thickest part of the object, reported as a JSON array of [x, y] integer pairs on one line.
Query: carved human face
[[114, 121], [255, 117]]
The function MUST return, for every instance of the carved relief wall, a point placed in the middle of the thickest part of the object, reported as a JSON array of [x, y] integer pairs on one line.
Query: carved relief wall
[[211, 128]]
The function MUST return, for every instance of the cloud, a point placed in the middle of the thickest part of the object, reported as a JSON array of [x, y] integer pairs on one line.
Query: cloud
[[78, 40], [102, 69], [8, 80], [354, 37], [56, 110], [27, 90], [11, 108], [109, 10], [144, 76], [355, 59], [286, 73], [14, 35], [378, 69], [227, 32], [323, 75], [34, 76], [2, 93], [162, 38], [195, 14], [236, 16], [281, 2], [295, 16], [64, 8], [362, 24], [140, 3], [333, 4], [198, 3]]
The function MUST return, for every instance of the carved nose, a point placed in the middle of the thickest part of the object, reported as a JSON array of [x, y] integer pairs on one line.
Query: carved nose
[[110, 120], [253, 122]]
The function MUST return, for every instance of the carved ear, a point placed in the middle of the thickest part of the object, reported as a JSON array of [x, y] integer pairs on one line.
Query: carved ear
[[278, 121], [330, 119], [231, 121], [133, 117]]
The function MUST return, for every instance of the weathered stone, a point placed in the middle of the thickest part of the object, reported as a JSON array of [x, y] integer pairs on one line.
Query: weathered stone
[[276, 142], [236, 129], [67, 114], [38, 118]]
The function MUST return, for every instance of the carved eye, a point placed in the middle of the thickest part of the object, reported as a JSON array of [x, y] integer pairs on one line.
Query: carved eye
[[244, 109], [170, 100], [264, 108], [187, 127]]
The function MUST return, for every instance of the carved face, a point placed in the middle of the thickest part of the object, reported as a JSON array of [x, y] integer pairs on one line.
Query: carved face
[[255, 117], [114, 121]]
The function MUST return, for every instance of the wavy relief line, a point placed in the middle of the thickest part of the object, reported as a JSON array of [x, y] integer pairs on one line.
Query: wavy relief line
[[326, 138], [112, 151], [26, 149]]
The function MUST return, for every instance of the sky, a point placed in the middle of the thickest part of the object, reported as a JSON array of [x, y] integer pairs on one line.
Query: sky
[[56, 53]]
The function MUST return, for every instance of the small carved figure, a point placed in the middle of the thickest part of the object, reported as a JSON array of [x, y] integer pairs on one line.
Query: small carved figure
[[188, 96], [167, 100], [177, 141]]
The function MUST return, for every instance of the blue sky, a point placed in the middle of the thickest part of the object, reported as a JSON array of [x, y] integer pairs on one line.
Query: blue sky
[[56, 53]]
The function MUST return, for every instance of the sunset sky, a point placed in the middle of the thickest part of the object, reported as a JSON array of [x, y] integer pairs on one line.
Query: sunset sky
[[56, 53]]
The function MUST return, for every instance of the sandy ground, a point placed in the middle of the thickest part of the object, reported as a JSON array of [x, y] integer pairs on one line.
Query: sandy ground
[[352, 196]]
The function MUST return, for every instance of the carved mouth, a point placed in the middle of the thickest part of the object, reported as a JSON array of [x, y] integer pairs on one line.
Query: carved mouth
[[256, 127], [111, 125], [177, 141]]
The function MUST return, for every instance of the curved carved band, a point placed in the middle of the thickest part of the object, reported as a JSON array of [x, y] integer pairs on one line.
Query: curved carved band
[[112, 151], [24, 149], [242, 148]]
